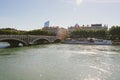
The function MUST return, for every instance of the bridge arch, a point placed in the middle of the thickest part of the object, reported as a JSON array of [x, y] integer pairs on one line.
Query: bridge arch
[[41, 41], [14, 42], [57, 41]]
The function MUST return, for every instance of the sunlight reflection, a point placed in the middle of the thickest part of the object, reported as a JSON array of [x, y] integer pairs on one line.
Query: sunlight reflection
[[100, 69], [92, 79]]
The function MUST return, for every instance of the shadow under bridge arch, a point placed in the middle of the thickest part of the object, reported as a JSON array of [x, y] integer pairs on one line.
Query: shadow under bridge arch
[[57, 41], [40, 41], [14, 42]]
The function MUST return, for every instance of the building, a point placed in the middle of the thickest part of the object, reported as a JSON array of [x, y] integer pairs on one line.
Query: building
[[73, 28], [62, 33], [87, 27], [47, 24], [99, 26]]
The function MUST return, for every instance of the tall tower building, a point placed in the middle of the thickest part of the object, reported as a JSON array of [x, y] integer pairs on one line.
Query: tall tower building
[[47, 24]]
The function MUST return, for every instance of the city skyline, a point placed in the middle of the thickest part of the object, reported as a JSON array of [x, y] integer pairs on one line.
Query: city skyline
[[27, 15]]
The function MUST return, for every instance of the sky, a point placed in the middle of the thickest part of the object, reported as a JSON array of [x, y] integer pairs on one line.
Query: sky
[[31, 14]]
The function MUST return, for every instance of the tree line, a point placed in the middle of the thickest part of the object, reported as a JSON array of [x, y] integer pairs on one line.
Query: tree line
[[113, 33], [12, 31]]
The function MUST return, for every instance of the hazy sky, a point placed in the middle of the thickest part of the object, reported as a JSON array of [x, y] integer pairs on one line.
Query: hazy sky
[[31, 14]]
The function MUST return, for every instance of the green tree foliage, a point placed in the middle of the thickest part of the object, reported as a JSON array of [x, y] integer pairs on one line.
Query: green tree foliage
[[101, 34], [40, 32], [114, 32], [89, 33], [11, 31], [8, 29]]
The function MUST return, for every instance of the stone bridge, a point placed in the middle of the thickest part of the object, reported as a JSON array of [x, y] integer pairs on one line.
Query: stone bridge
[[25, 40]]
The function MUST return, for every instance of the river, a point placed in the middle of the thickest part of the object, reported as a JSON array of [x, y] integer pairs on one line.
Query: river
[[60, 62]]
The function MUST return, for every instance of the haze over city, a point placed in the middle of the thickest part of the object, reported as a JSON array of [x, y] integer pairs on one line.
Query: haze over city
[[31, 14]]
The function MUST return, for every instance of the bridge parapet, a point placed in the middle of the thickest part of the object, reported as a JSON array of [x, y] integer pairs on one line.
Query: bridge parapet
[[20, 37], [12, 36], [34, 38], [27, 39]]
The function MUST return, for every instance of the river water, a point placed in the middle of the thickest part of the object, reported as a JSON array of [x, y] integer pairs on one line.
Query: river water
[[60, 62]]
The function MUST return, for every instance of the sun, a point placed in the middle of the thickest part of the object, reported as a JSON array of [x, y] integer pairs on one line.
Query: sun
[[78, 2]]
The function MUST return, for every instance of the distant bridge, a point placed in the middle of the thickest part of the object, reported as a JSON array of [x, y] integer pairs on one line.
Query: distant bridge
[[26, 40]]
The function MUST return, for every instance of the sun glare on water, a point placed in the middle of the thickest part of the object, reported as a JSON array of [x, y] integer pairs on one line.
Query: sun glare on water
[[78, 2]]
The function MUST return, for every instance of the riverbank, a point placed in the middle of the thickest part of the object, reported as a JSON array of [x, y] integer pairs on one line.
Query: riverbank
[[116, 42], [89, 41]]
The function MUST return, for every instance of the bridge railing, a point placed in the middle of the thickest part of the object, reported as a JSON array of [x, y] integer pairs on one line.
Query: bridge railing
[[12, 36], [27, 37], [51, 38]]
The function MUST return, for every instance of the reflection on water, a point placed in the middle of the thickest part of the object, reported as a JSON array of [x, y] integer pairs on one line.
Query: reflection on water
[[7, 45], [60, 62], [4, 44]]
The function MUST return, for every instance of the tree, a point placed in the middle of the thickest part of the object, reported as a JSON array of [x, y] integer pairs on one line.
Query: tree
[[101, 33], [114, 32], [40, 32], [11, 31], [89, 33]]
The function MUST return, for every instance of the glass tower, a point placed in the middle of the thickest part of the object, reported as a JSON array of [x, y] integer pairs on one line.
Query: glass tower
[[46, 24]]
